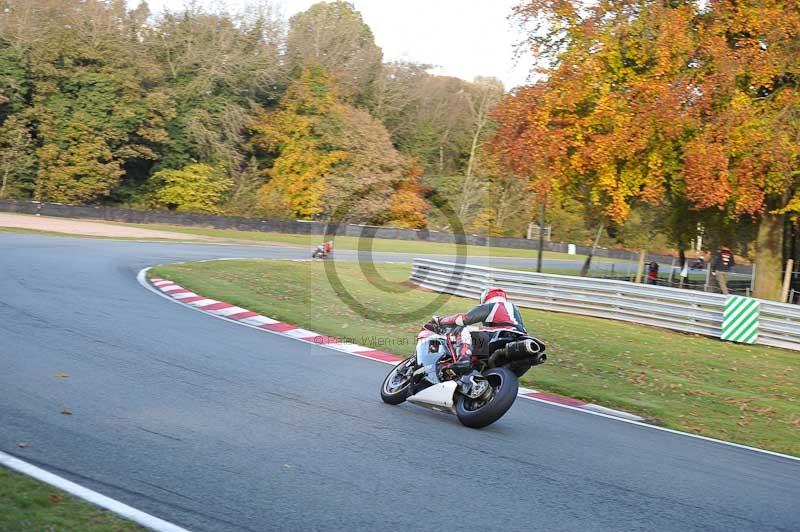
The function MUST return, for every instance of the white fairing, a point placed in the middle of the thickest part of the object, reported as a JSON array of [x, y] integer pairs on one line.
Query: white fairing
[[428, 358], [439, 396]]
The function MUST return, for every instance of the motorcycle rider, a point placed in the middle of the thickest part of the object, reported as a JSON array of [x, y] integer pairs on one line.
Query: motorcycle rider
[[323, 250], [495, 313]]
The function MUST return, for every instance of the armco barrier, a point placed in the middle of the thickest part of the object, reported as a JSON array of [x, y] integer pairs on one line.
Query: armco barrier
[[671, 308]]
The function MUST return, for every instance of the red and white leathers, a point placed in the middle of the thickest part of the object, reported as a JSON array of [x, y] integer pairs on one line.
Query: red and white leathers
[[493, 314]]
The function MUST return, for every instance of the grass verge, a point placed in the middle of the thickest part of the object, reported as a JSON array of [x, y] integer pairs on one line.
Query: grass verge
[[29, 505], [375, 244], [745, 394]]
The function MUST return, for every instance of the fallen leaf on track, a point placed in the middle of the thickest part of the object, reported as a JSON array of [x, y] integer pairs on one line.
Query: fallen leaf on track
[[66, 411], [61, 375], [22, 444]]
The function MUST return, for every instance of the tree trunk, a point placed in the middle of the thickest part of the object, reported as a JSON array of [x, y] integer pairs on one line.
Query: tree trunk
[[541, 235], [769, 251], [4, 185], [640, 266], [467, 185], [587, 264]]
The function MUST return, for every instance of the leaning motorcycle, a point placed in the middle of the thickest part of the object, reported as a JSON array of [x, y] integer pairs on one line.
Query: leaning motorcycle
[[478, 398]]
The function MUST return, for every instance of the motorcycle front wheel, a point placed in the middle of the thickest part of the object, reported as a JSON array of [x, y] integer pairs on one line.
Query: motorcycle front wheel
[[396, 387], [485, 410]]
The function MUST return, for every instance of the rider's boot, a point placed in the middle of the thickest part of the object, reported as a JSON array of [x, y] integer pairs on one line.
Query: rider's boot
[[463, 365]]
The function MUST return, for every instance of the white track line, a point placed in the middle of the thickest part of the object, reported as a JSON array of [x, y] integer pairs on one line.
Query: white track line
[[142, 278], [664, 429], [121, 509]]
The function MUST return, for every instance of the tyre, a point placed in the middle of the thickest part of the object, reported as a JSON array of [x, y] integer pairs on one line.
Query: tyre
[[396, 387], [477, 413]]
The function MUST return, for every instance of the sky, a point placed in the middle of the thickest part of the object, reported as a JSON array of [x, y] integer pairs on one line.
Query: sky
[[463, 38]]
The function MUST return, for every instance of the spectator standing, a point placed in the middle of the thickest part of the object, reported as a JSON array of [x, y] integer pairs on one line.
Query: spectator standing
[[652, 273], [721, 267]]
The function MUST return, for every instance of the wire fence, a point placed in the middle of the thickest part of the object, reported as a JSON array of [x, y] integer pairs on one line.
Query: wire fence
[[738, 283]]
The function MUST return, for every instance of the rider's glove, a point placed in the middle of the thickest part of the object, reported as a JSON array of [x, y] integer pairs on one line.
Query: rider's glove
[[434, 325]]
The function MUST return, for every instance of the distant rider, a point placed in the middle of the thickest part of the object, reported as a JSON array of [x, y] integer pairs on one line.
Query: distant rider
[[495, 313]]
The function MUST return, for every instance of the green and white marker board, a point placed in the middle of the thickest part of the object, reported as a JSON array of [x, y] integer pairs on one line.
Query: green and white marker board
[[740, 319]]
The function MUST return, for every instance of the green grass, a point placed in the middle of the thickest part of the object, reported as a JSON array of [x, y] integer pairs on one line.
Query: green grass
[[376, 244], [745, 394], [27, 505]]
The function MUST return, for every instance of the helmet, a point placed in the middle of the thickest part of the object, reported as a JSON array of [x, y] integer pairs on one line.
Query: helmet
[[493, 295]]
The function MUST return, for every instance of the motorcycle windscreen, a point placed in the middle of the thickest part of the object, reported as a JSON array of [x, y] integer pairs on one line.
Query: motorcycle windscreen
[[428, 358]]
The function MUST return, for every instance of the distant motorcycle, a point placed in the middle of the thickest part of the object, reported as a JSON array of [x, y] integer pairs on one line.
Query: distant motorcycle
[[479, 398], [319, 253], [323, 251]]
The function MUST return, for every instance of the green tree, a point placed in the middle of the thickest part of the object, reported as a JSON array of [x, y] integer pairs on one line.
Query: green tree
[[216, 70], [332, 35], [14, 83], [89, 89], [195, 188], [17, 163]]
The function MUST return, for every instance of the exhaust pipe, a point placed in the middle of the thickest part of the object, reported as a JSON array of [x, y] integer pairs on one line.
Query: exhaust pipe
[[528, 350], [523, 349]]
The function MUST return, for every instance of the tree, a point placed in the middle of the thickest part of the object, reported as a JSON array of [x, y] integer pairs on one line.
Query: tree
[[327, 158], [361, 184], [87, 93], [481, 97], [290, 135], [745, 155], [608, 116], [17, 163], [217, 70], [14, 89], [409, 208], [396, 94], [674, 103], [196, 188], [332, 35]]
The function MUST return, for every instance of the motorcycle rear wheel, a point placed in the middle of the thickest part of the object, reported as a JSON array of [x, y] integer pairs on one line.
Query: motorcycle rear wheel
[[478, 413], [396, 388]]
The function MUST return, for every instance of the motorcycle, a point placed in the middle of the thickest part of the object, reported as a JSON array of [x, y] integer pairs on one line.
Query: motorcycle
[[320, 253], [478, 398]]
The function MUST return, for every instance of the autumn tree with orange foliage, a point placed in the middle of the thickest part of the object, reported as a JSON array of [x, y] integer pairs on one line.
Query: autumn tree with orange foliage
[[409, 208], [665, 104], [745, 155]]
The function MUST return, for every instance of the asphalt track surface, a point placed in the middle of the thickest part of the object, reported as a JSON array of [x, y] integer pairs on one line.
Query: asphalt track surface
[[215, 426]]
